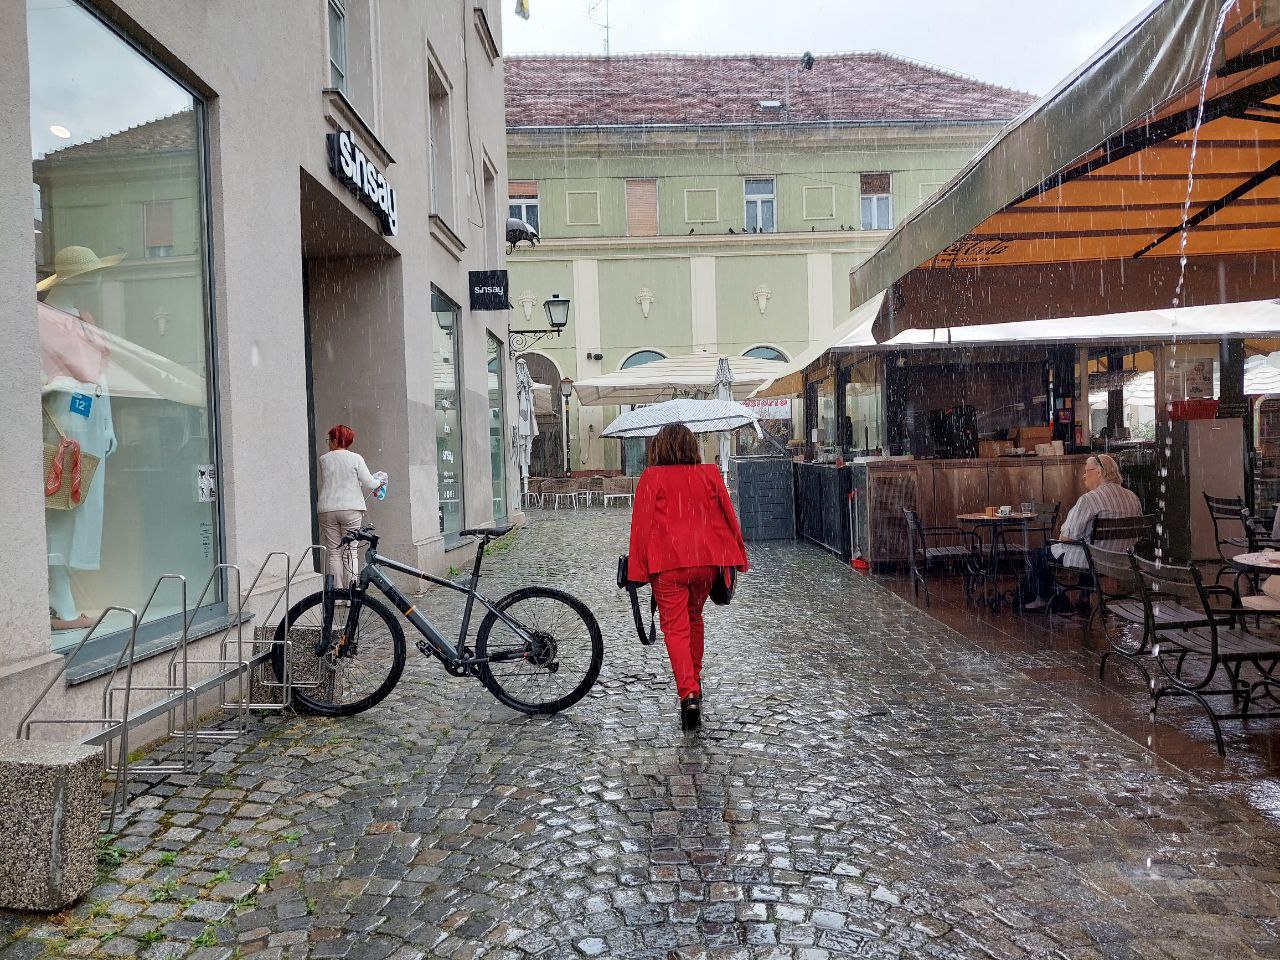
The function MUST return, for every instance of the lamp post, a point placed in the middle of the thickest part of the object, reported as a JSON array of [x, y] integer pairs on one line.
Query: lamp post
[[557, 308], [566, 391]]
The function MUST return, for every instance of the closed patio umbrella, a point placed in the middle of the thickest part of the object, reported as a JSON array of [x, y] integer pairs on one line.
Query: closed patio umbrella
[[691, 375], [526, 423]]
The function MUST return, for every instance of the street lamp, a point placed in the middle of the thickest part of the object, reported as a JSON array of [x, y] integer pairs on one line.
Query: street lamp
[[566, 391], [557, 308]]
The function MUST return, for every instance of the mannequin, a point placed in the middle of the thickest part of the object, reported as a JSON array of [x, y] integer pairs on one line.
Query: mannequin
[[77, 398]]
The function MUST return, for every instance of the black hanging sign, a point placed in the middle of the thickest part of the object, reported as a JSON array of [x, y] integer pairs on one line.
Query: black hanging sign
[[489, 290]]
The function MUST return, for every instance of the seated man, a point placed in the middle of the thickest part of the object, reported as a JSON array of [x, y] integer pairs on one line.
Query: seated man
[[1105, 496]]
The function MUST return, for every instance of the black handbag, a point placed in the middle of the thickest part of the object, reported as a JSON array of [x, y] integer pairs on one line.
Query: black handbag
[[722, 587], [649, 637]]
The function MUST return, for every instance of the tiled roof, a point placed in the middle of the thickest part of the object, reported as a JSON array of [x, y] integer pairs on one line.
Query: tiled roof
[[698, 89], [176, 132]]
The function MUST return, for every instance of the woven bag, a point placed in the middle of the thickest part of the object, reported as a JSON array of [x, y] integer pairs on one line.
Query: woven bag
[[65, 453]]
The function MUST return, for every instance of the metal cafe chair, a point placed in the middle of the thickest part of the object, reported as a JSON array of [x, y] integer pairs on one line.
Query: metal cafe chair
[[559, 491], [1208, 660], [944, 550], [1226, 512]]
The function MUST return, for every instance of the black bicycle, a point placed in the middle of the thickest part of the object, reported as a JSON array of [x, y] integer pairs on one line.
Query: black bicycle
[[538, 650]]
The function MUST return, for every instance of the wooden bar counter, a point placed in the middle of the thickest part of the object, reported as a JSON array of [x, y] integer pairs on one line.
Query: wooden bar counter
[[940, 489]]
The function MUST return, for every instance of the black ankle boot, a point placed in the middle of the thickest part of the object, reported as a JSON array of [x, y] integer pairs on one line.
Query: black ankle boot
[[690, 713]]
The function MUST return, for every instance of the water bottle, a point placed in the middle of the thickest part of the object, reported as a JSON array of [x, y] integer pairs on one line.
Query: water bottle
[[381, 492]]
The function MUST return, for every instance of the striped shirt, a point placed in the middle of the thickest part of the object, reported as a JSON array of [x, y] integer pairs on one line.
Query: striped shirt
[[1108, 500]]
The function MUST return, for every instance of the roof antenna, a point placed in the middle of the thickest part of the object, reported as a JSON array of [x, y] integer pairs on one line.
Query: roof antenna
[[595, 5]]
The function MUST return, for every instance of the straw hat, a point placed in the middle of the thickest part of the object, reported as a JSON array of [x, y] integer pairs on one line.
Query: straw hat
[[72, 261]]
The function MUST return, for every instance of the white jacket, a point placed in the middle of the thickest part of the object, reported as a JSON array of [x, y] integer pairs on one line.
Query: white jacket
[[344, 477]]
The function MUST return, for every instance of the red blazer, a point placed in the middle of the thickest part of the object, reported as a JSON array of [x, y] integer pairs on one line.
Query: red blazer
[[683, 518]]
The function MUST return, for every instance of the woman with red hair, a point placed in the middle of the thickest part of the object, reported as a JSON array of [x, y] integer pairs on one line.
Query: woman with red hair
[[344, 478], [683, 533]]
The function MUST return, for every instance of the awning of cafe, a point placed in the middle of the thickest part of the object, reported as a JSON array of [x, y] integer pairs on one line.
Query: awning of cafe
[[856, 329], [1259, 318], [1084, 204], [691, 375]]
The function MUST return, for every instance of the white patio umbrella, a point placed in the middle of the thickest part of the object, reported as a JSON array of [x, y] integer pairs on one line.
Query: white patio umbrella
[[692, 375], [526, 423], [700, 416]]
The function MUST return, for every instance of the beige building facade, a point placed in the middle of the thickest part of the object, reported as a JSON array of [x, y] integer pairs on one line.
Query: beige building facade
[[228, 228]]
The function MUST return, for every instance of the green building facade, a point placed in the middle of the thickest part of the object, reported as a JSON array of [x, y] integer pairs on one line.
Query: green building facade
[[725, 218]]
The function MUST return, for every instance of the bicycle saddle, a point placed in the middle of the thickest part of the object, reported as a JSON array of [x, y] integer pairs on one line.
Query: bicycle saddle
[[488, 533]]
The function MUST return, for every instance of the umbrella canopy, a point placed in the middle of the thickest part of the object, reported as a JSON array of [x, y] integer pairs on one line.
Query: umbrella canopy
[[692, 375], [700, 416], [854, 332], [1163, 143]]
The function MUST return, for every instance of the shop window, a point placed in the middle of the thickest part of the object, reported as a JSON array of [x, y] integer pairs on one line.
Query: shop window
[[862, 406], [760, 200], [497, 427], [125, 339], [876, 201], [446, 355], [440, 146], [338, 45], [523, 202], [157, 220], [642, 208]]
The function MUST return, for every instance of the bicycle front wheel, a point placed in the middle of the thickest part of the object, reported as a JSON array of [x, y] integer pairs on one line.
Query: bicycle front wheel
[[355, 672], [556, 660]]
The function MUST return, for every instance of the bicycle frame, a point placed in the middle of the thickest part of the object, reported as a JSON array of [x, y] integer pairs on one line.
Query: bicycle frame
[[457, 659]]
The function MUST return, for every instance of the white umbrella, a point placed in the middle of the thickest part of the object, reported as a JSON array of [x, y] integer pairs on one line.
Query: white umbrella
[[526, 422], [700, 416], [692, 375]]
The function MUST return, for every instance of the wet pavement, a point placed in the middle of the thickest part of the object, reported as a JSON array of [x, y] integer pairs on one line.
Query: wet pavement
[[868, 783]]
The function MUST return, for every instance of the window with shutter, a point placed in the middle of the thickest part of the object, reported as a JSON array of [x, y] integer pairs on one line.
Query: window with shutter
[[157, 228], [876, 201], [642, 208]]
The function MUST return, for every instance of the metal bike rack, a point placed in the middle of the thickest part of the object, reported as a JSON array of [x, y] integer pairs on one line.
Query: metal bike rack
[[182, 693], [179, 695], [112, 729]]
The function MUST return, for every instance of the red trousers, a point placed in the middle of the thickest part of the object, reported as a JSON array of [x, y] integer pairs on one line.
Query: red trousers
[[681, 594]]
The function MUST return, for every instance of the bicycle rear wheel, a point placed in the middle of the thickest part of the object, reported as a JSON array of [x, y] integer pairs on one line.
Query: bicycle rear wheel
[[355, 672], [558, 662]]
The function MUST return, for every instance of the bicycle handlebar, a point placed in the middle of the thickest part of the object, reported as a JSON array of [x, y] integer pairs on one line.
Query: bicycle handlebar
[[365, 534]]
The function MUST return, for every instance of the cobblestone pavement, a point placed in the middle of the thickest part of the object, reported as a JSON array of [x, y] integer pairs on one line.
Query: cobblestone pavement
[[867, 784]]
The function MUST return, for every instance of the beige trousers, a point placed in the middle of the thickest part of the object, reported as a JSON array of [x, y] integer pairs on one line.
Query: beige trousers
[[342, 564]]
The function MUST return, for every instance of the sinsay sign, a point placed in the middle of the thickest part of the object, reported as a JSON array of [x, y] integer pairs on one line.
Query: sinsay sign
[[348, 163]]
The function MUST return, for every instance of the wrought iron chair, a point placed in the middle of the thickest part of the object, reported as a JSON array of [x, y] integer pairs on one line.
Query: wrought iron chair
[[1115, 590], [947, 550], [1226, 513], [1221, 644]]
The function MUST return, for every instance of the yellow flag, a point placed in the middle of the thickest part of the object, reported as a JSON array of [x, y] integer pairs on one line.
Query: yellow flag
[[522, 9]]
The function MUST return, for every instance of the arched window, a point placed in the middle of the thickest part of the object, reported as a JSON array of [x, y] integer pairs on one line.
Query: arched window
[[641, 357], [766, 353]]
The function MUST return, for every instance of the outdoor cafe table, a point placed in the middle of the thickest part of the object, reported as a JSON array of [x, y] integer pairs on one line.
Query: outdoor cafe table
[[991, 562], [1257, 564]]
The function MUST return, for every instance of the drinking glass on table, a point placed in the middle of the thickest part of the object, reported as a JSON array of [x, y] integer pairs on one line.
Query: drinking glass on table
[[1028, 506]]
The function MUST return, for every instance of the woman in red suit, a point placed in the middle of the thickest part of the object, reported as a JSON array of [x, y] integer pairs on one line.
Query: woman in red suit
[[683, 530]]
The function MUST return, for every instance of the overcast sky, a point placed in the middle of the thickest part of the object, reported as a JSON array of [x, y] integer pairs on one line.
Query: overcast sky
[[1026, 44]]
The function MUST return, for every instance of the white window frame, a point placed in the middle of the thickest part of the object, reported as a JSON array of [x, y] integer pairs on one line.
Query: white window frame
[[768, 346], [875, 223], [754, 224], [526, 204], [441, 169], [338, 8], [714, 193]]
